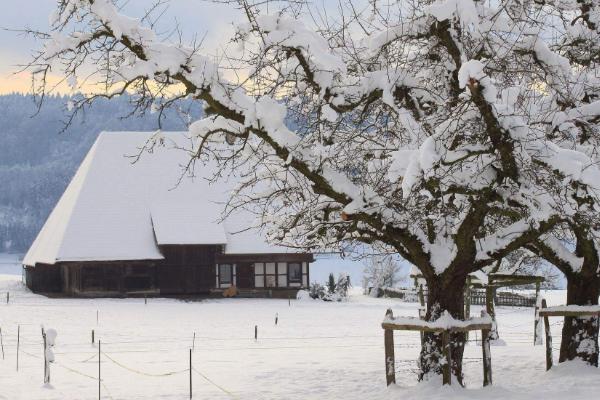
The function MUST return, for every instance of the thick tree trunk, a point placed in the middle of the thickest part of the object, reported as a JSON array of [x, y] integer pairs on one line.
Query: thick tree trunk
[[580, 335], [444, 293]]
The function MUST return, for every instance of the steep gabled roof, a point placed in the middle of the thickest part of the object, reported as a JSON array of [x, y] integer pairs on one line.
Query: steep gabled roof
[[118, 209]]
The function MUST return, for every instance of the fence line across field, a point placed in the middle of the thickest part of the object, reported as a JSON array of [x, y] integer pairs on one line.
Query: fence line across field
[[263, 343], [513, 337], [136, 371]]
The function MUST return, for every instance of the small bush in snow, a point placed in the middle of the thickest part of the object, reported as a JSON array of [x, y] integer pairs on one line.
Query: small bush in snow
[[303, 295], [317, 291], [331, 284]]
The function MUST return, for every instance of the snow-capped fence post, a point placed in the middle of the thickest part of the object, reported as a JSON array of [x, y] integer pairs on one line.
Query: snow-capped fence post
[[388, 339], [49, 342], [190, 373], [486, 354]]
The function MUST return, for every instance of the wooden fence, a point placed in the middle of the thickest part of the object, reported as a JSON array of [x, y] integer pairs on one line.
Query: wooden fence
[[504, 299], [568, 311], [508, 299], [389, 325]]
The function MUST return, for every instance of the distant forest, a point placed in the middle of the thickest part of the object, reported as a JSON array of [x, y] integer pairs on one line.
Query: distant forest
[[37, 160]]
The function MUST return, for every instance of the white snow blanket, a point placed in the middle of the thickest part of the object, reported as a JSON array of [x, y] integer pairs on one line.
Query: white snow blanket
[[318, 350]]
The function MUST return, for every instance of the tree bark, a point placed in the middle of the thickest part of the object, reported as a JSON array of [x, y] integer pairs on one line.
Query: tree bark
[[444, 293], [580, 334]]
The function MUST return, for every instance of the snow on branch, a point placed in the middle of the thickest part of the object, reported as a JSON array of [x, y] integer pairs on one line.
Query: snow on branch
[[450, 132]]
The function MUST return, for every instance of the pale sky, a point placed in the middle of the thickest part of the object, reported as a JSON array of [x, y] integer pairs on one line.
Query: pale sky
[[196, 17]]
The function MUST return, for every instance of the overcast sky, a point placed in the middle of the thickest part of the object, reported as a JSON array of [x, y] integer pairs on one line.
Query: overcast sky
[[196, 17]]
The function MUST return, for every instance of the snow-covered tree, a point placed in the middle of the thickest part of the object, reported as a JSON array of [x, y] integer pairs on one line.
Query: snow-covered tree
[[381, 271], [450, 132], [525, 262]]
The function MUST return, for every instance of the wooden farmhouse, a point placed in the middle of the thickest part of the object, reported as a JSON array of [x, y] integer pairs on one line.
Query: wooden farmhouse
[[129, 228]]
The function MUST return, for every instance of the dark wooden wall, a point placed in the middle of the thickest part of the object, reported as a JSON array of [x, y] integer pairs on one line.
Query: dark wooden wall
[[186, 269], [44, 278]]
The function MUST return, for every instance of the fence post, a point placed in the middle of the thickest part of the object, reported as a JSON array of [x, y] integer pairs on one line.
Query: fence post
[[446, 368], [422, 315], [190, 373], [421, 296], [486, 354], [537, 337], [93, 338], [7, 297], [548, 338], [388, 341], [1, 343], [490, 294], [468, 299], [99, 375], [18, 343], [45, 357], [255, 332]]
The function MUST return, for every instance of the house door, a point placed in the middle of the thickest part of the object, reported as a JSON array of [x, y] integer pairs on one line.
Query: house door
[[245, 275]]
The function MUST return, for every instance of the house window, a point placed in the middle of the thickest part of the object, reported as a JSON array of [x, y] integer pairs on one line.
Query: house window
[[225, 274], [271, 281], [295, 272]]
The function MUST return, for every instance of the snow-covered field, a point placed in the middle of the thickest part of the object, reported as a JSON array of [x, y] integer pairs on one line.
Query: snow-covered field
[[317, 350]]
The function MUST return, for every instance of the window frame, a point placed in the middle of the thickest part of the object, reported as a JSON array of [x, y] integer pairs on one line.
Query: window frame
[[230, 275], [289, 272]]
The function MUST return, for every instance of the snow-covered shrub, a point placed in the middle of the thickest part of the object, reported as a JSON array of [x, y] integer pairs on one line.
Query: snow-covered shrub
[[317, 291], [342, 285], [303, 295], [333, 290]]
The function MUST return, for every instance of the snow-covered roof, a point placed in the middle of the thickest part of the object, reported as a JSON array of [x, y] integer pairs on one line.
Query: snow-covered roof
[[118, 209]]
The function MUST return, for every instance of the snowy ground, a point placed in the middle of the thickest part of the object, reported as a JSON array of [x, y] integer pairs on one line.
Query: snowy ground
[[317, 350]]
